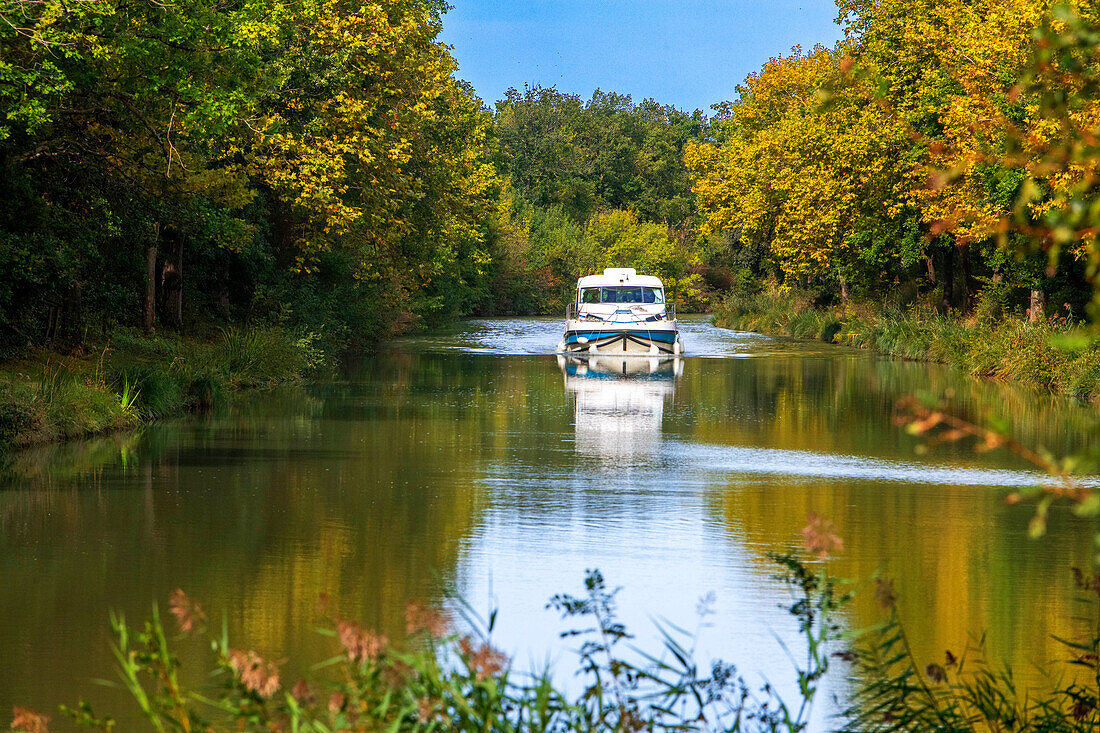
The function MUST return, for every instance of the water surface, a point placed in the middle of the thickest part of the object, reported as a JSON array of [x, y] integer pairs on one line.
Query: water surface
[[475, 459]]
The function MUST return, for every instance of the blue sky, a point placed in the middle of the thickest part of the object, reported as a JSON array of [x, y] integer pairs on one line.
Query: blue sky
[[688, 53]]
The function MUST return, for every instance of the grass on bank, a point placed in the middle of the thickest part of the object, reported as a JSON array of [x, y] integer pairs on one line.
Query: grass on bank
[[138, 377], [1050, 355]]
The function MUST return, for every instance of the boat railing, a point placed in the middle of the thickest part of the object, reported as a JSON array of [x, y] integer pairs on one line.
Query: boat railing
[[571, 312], [670, 311]]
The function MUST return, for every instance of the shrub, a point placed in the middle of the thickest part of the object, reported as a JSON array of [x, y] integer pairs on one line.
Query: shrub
[[143, 378], [259, 357], [76, 404], [138, 344], [829, 330], [204, 390], [1013, 349], [992, 303]]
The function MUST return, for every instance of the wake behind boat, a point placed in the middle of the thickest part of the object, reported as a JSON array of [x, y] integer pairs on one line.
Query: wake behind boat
[[621, 312]]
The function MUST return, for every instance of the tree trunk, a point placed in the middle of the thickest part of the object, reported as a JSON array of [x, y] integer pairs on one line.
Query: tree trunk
[[931, 267], [178, 303], [150, 319], [948, 280], [171, 282], [224, 306], [844, 290], [964, 277], [53, 317], [1037, 311], [72, 316]]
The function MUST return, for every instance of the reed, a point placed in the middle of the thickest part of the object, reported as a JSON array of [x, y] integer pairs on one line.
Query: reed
[[896, 692], [1054, 355]]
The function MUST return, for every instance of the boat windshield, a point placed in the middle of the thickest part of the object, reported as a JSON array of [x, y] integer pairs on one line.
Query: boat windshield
[[622, 295]]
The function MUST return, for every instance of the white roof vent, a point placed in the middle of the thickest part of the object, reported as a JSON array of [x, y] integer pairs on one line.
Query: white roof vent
[[620, 273]]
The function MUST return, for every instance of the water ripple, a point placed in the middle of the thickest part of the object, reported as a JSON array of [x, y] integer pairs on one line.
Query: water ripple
[[727, 459], [678, 466]]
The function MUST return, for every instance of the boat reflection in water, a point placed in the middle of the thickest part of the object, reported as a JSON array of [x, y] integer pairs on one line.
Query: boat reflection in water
[[620, 403]]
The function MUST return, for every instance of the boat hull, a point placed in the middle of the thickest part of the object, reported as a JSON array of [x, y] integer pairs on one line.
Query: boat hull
[[619, 340]]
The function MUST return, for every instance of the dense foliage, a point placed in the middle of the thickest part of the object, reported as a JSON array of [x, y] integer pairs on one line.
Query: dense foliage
[[985, 344], [606, 153], [594, 184], [941, 147], [314, 164], [140, 378], [319, 166]]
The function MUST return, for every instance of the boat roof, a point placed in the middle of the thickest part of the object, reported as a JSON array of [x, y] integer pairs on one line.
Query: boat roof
[[619, 276]]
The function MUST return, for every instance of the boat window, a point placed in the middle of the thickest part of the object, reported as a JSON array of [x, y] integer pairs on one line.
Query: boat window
[[590, 295], [624, 295], [621, 295]]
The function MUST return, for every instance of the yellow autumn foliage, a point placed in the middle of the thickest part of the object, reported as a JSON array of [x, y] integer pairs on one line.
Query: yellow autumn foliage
[[803, 154], [933, 122]]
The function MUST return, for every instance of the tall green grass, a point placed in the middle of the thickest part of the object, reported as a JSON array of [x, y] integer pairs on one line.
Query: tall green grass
[[139, 377], [55, 401], [895, 692], [1051, 355]]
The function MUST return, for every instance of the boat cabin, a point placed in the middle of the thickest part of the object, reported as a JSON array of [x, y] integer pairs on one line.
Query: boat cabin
[[620, 285]]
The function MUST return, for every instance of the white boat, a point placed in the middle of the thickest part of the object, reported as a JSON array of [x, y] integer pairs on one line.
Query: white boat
[[621, 312]]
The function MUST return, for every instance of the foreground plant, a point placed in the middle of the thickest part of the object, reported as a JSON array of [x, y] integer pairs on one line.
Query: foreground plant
[[935, 424], [444, 678], [897, 692], [672, 691]]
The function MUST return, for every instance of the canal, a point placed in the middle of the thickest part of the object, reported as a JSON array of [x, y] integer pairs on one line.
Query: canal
[[474, 461]]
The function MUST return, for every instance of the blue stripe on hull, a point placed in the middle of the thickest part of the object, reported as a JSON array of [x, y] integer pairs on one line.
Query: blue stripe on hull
[[664, 337]]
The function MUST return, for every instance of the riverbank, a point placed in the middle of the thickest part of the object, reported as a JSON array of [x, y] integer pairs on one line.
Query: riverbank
[[135, 378], [1050, 355]]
